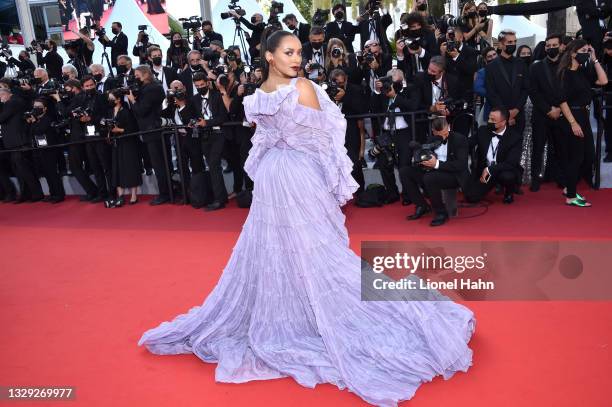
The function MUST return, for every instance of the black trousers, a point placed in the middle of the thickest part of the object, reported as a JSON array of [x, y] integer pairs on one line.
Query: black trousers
[[212, 146], [156, 152], [99, 155], [145, 162], [23, 163], [192, 158], [608, 130], [48, 162], [432, 181], [7, 188], [519, 124], [236, 151], [545, 130], [76, 156], [475, 190], [352, 142], [577, 153]]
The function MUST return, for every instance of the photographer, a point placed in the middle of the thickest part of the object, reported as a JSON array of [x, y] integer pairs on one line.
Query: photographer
[[350, 100], [421, 7], [214, 113], [44, 135], [499, 155], [125, 73], [472, 24], [484, 35], [181, 111], [176, 55], [75, 60], [507, 80], [69, 72], [300, 30], [337, 57], [83, 49], [98, 72], [446, 168], [141, 46], [415, 45], [373, 63], [24, 63], [126, 172], [373, 27], [340, 28], [256, 25], [591, 16], [196, 64], [313, 55], [119, 43], [203, 41], [164, 74], [394, 97], [41, 87], [147, 108], [14, 136], [51, 61]]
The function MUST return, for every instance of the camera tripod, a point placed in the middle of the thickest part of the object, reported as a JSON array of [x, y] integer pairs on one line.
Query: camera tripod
[[105, 58], [239, 32]]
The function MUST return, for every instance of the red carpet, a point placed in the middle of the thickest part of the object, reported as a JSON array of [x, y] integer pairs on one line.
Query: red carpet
[[81, 283]]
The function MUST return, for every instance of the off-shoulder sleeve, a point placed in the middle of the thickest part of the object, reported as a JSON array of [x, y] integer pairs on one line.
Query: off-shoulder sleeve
[[328, 127]]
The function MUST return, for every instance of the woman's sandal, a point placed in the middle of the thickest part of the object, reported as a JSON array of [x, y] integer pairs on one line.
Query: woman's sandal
[[577, 196], [578, 202]]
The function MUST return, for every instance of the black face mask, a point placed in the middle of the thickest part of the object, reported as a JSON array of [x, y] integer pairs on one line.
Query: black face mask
[[422, 7], [527, 59], [65, 77], [316, 45], [253, 20], [482, 13], [36, 81], [139, 82], [339, 15], [582, 57], [98, 77], [552, 52], [178, 43], [291, 27], [491, 127], [203, 91], [196, 67], [510, 49], [121, 69], [432, 77], [157, 61], [38, 111], [471, 14], [415, 33], [115, 31], [397, 86], [90, 92], [111, 102]]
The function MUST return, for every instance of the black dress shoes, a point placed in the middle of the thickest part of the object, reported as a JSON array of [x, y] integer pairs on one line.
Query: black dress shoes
[[439, 220], [419, 212], [535, 185], [406, 202], [159, 200], [87, 198], [608, 158], [214, 206], [508, 198]]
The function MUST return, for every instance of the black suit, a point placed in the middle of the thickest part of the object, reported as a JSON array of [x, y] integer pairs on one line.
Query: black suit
[[302, 31], [256, 31], [588, 17], [147, 110], [379, 24], [206, 39], [308, 52], [239, 144], [186, 78], [346, 32], [544, 94], [166, 76], [463, 69], [353, 103], [48, 156], [213, 139], [119, 46], [508, 89], [14, 136], [451, 173], [52, 62], [507, 169]]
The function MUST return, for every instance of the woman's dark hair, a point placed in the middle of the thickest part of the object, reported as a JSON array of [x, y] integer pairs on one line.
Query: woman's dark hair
[[566, 58], [270, 41], [485, 51]]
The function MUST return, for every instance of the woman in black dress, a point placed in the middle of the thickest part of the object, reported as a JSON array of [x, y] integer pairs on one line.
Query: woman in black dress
[[155, 7], [578, 71], [126, 156]]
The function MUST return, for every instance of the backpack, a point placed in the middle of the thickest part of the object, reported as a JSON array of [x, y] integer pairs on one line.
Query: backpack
[[244, 198], [373, 196]]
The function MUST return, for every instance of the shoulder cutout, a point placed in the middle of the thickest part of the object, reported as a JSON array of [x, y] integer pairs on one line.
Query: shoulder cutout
[[308, 94]]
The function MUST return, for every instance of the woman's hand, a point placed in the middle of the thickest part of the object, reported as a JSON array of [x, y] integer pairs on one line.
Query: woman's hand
[[577, 130], [117, 130]]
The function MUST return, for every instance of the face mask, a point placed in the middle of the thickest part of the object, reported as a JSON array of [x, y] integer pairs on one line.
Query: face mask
[[432, 77], [471, 14], [36, 81], [422, 7], [203, 91], [121, 69], [139, 82], [157, 61], [38, 111], [397, 86], [526, 59], [582, 57], [510, 49], [339, 15], [482, 13], [98, 77], [491, 127], [415, 33], [291, 27], [115, 31], [178, 43], [65, 77], [196, 67], [90, 92], [111, 102], [253, 20], [21, 58], [316, 45], [552, 52]]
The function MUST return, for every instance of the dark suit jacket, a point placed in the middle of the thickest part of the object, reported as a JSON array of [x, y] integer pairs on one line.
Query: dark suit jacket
[[307, 52], [353, 102], [543, 87], [508, 157], [12, 124], [118, 45], [509, 91], [169, 74], [463, 69], [381, 22], [188, 113], [404, 101], [423, 92], [52, 62], [456, 157], [588, 17], [147, 109], [42, 127], [346, 33], [186, 78], [216, 106]]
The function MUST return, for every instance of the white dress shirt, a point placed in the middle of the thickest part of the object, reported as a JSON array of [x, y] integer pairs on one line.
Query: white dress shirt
[[400, 122], [492, 151]]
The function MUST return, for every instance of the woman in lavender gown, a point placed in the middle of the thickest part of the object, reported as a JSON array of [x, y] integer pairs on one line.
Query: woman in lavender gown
[[288, 303]]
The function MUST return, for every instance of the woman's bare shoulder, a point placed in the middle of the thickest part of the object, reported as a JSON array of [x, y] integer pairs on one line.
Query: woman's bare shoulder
[[308, 94]]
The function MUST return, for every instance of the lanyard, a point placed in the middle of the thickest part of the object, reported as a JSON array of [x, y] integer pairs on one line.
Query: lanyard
[[494, 150]]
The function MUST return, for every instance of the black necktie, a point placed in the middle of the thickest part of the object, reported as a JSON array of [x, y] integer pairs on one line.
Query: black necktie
[[444, 141], [296, 32]]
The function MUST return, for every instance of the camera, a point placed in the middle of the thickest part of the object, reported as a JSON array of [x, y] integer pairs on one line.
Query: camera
[[29, 115], [108, 122], [166, 122], [142, 27], [423, 152], [373, 6], [235, 7], [176, 94], [316, 66], [61, 124], [383, 150], [331, 88], [454, 105], [366, 59], [387, 84], [412, 43], [99, 31], [81, 112], [320, 17], [276, 8], [337, 52], [230, 55], [220, 70], [192, 23]]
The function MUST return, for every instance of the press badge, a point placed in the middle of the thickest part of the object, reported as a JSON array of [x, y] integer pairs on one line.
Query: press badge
[[41, 141], [91, 131]]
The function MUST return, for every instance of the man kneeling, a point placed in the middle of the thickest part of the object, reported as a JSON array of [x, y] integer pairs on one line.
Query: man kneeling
[[448, 168]]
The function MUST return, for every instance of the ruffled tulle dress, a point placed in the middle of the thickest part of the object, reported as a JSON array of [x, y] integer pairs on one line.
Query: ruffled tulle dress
[[288, 303]]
